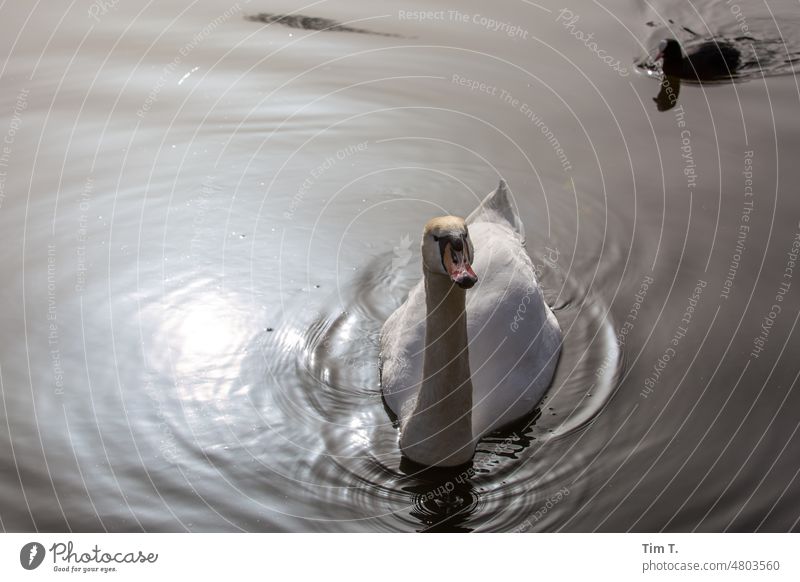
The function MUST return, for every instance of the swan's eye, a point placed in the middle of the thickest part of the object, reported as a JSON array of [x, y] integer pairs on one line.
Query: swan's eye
[[436, 238]]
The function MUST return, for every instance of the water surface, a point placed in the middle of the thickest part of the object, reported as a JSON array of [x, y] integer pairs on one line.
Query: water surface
[[207, 217]]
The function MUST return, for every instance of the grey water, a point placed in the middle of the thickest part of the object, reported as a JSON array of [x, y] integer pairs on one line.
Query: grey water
[[208, 211]]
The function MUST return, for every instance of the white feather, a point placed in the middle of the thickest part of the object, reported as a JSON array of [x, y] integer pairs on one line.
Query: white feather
[[514, 338]]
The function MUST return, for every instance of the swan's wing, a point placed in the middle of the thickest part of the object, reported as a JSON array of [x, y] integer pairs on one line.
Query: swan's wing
[[497, 207], [402, 345], [514, 338]]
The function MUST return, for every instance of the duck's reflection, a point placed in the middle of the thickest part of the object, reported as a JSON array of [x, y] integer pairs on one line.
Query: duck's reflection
[[670, 88]]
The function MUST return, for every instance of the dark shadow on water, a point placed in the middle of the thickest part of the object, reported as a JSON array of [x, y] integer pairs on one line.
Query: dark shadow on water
[[443, 497], [667, 96], [310, 23]]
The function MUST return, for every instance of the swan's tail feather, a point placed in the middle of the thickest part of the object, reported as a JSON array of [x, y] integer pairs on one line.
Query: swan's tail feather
[[498, 207]]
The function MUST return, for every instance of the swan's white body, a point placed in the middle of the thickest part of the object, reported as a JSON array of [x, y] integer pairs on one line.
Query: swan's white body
[[514, 339]]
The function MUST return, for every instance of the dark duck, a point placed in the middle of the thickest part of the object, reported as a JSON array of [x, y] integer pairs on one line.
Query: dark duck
[[709, 61]]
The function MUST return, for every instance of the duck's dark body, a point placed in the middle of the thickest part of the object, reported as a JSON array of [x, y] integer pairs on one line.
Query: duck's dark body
[[711, 60]]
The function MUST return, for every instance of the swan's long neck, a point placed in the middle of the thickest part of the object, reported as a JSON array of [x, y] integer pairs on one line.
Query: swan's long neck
[[439, 430]]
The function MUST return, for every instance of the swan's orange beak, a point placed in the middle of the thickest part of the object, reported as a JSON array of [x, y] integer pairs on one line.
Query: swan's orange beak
[[458, 267]]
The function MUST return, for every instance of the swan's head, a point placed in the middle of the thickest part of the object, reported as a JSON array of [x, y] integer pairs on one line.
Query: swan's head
[[447, 250]]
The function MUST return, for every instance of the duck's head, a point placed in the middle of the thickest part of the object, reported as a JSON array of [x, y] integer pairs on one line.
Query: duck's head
[[669, 50], [447, 250]]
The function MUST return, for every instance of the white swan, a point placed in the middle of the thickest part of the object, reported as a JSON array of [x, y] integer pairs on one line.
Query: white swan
[[456, 365]]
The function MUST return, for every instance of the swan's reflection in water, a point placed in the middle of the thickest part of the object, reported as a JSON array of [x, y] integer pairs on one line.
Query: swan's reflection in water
[[444, 499]]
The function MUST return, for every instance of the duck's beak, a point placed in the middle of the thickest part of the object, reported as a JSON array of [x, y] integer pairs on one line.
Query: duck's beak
[[455, 257]]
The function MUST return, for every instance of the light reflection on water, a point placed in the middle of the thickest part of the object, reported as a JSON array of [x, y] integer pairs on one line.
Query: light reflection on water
[[204, 332]]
